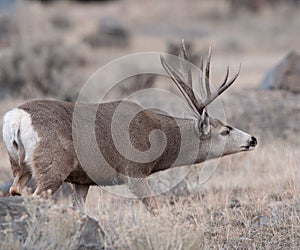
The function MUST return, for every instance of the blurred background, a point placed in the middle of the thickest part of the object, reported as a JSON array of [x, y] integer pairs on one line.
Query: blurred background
[[49, 48], [52, 47]]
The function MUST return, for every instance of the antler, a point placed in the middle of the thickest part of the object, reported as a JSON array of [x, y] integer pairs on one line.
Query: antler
[[183, 81]]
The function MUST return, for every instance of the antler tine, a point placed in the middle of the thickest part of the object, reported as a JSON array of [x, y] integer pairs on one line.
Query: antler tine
[[184, 65], [226, 77], [207, 73], [225, 85], [185, 90], [201, 85], [185, 85], [184, 50]]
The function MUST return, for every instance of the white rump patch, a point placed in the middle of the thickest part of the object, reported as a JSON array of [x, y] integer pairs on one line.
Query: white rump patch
[[14, 121]]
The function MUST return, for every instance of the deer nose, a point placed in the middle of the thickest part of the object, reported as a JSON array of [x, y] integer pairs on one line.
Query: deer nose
[[252, 141], [13, 192]]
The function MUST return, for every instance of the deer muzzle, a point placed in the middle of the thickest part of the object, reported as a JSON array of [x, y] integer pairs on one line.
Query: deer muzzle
[[19, 183], [252, 142]]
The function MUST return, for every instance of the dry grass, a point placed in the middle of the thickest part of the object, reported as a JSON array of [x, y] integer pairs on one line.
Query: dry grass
[[47, 227], [252, 201]]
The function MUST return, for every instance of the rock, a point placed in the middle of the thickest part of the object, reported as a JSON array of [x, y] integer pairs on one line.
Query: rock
[[109, 33], [257, 5], [252, 5], [285, 75], [32, 222], [264, 220], [268, 115], [234, 203], [62, 21], [4, 189]]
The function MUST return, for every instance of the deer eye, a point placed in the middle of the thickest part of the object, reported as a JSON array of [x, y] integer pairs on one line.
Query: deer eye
[[225, 132]]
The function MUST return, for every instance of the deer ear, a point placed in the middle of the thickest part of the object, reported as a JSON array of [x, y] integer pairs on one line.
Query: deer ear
[[204, 124]]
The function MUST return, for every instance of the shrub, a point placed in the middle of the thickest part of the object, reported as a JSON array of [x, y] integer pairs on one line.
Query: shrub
[[37, 69]]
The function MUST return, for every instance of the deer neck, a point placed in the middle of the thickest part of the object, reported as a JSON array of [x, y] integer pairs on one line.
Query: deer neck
[[184, 146]]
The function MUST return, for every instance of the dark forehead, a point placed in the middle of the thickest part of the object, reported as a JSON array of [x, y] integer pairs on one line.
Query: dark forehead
[[216, 122]]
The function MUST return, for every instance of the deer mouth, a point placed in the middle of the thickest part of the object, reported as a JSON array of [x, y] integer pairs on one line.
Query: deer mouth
[[248, 148]]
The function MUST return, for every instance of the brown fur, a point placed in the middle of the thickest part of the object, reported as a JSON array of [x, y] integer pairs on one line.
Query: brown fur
[[55, 159]]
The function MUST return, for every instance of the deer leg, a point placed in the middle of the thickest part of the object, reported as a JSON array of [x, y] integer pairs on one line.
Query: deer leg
[[79, 196], [43, 187], [51, 166], [140, 187], [47, 182], [49, 178]]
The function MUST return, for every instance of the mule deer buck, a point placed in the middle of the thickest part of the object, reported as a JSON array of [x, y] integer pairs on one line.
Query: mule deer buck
[[39, 140]]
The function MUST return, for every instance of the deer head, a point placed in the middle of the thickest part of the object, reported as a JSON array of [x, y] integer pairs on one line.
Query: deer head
[[216, 138]]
